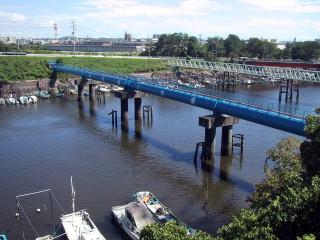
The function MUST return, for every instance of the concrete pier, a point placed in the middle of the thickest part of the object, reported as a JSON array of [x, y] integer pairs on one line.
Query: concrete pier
[[124, 110], [209, 143], [92, 92], [124, 97], [210, 123], [226, 140], [137, 108], [81, 85]]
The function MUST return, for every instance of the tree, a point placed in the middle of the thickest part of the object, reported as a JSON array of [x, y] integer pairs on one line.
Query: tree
[[192, 47], [287, 204], [233, 46], [171, 231], [3, 47], [306, 50], [215, 48], [287, 52], [176, 44], [310, 149]]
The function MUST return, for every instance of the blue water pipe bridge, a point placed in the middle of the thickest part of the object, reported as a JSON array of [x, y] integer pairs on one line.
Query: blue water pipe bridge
[[221, 103]]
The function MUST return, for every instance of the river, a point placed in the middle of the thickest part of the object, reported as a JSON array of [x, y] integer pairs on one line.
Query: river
[[43, 145]]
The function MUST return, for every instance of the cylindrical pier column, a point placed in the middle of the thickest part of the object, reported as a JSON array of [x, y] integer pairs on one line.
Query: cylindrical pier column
[[80, 92], [137, 108], [226, 141], [209, 144], [92, 92], [124, 110], [81, 85]]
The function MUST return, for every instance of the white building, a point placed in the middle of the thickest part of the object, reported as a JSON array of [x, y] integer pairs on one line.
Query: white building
[[8, 40]]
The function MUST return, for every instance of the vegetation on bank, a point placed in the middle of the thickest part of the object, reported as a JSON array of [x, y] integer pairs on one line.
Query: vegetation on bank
[[183, 45], [285, 206], [19, 68]]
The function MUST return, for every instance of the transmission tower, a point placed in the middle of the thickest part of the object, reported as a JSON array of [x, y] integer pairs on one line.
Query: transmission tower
[[73, 36]]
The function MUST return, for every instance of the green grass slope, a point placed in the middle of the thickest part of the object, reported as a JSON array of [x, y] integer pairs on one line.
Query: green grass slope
[[19, 68]]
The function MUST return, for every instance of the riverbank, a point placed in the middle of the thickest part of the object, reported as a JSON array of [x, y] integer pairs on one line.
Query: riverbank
[[20, 68]]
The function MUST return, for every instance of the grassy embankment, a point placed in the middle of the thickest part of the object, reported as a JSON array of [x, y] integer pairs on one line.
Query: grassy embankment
[[19, 68]]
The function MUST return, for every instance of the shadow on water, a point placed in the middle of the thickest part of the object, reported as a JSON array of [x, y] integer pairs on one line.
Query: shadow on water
[[125, 142]]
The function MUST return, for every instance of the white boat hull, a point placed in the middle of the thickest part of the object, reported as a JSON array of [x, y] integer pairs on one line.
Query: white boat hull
[[79, 226], [118, 215]]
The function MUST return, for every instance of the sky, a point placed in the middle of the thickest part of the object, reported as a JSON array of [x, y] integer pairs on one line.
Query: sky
[[268, 19]]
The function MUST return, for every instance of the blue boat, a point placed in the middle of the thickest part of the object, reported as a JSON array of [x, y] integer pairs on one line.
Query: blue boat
[[59, 95], [44, 96], [3, 237]]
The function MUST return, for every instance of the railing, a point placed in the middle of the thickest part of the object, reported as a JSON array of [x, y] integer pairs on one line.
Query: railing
[[263, 71], [259, 103]]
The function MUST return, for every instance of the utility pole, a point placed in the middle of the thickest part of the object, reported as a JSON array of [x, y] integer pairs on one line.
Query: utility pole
[[74, 39], [216, 43], [212, 49]]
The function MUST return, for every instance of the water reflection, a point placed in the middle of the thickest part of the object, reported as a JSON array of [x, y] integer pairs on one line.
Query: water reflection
[[138, 128], [225, 167], [93, 110], [81, 111]]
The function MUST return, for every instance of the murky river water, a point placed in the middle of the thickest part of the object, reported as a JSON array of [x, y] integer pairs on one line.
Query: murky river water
[[42, 145]]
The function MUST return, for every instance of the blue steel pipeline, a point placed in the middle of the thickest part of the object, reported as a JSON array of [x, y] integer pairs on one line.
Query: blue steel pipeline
[[265, 117]]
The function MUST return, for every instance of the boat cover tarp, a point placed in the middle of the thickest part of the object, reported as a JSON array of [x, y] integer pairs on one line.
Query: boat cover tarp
[[141, 215]]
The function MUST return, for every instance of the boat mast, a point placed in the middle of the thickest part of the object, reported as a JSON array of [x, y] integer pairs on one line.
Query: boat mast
[[73, 196]]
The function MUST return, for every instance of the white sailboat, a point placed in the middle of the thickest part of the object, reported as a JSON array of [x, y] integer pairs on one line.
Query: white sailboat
[[78, 225]]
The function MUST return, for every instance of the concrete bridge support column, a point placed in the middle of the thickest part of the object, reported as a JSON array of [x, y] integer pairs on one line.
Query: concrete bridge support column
[[92, 92], [137, 108], [81, 85], [124, 110], [210, 123], [226, 140], [124, 97], [209, 143]]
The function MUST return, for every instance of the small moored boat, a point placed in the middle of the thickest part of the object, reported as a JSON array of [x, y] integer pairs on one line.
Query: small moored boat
[[132, 218], [161, 213], [59, 95], [24, 100], [47, 237], [11, 100], [33, 99], [78, 225], [44, 96], [116, 88], [3, 237], [103, 88]]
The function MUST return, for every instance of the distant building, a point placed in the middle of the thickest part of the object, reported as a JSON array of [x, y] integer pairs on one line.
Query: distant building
[[156, 35], [127, 37], [99, 46], [273, 40], [8, 40], [317, 40], [281, 45]]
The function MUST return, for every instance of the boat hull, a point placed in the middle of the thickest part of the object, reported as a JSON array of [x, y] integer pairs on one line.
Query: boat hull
[[78, 225], [117, 214]]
